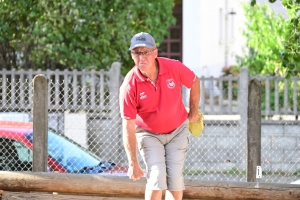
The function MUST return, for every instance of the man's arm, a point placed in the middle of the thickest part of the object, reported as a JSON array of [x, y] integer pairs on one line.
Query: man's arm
[[130, 144], [194, 100]]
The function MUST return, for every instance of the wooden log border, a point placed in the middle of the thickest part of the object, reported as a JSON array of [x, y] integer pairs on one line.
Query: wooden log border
[[44, 196], [114, 186]]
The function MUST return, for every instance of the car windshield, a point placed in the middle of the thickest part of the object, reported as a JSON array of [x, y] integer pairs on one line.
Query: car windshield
[[72, 157]]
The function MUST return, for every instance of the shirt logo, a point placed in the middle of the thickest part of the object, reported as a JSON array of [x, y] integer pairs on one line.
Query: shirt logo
[[142, 95], [170, 83]]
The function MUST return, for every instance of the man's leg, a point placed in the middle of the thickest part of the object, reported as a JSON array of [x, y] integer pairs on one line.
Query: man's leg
[[153, 194], [174, 195], [176, 151], [152, 151]]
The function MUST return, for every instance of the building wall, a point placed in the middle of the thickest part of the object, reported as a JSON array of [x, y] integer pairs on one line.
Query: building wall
[[208, 28], [212, 34]]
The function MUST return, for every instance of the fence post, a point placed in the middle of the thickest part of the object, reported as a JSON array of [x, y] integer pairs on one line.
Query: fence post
[[243, 103], [40, 123], [254, 129], [243, 95], [114, 85]]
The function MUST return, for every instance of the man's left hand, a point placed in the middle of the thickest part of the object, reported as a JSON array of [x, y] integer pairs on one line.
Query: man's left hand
[[193, 117]]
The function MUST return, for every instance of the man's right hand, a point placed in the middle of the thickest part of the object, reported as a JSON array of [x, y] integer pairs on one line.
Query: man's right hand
[[135, 172]]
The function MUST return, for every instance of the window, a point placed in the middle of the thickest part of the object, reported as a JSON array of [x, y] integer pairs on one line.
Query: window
[[24, 153], [171, 46], [14, 156]]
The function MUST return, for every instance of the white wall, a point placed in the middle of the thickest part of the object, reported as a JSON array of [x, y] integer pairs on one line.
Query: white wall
[[276, 6], [191, 34], [76, 128], [204, 33], [204, 37]]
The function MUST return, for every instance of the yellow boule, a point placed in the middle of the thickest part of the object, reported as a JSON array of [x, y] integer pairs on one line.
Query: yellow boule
[[196, 128]]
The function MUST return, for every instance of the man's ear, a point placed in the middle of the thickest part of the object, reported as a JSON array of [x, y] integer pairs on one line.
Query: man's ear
[[132, 56], [156, 53]]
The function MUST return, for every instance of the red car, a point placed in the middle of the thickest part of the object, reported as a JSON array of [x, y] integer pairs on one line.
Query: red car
[[64, 155]]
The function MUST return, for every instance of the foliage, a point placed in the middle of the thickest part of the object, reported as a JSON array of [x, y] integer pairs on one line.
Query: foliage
[[290, 53], [233, 71], [281, 95], [265, 32], [268, 37], [77, 34]]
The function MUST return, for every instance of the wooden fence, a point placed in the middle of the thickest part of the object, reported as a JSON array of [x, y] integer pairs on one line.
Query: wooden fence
[[94, 90], [227, 95], [67, 90]]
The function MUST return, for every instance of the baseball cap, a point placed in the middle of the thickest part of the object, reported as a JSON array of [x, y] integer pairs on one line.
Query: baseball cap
[[142, 39]]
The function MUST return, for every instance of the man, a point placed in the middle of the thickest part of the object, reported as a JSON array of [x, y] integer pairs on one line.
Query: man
[[155, 119]]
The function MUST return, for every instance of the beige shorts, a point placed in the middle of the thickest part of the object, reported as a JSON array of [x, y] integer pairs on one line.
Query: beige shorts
[[164, 156]]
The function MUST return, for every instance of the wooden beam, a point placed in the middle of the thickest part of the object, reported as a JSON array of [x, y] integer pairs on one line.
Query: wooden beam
[[240, 190], [113, 186], [42, 196], [71, 183], [253, 129]]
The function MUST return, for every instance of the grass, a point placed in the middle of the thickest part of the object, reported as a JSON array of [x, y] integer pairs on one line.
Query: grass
[[235, 171]]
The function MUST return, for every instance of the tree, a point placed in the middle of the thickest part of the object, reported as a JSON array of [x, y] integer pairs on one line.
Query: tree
[[77, 34], [290, 54], [265, 32], [269, 45]]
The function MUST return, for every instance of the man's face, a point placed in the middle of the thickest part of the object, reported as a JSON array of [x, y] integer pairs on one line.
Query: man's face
[[143, 57]]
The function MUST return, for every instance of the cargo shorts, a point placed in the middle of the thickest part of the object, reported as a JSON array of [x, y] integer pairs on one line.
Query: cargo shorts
[[164, 156]]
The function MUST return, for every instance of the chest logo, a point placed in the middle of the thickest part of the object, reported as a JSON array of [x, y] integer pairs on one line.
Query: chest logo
[[170, 83], [143, 95]]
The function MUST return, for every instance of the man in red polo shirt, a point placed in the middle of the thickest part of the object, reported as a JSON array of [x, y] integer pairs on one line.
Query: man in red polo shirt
[[155, 119]]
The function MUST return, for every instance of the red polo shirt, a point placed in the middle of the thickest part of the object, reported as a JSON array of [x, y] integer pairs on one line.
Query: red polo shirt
[[157, 107]]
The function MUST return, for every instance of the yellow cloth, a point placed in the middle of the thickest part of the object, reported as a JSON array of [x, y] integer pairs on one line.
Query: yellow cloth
[[196, 128]]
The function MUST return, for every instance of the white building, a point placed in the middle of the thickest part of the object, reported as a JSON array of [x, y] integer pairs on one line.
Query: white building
[[212, 33]]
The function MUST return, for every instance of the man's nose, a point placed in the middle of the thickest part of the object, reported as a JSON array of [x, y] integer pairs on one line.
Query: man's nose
[[141, 56]]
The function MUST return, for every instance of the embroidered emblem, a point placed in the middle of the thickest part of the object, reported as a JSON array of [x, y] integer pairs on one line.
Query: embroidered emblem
[[141, 38], [142, 95], [170, 83]]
